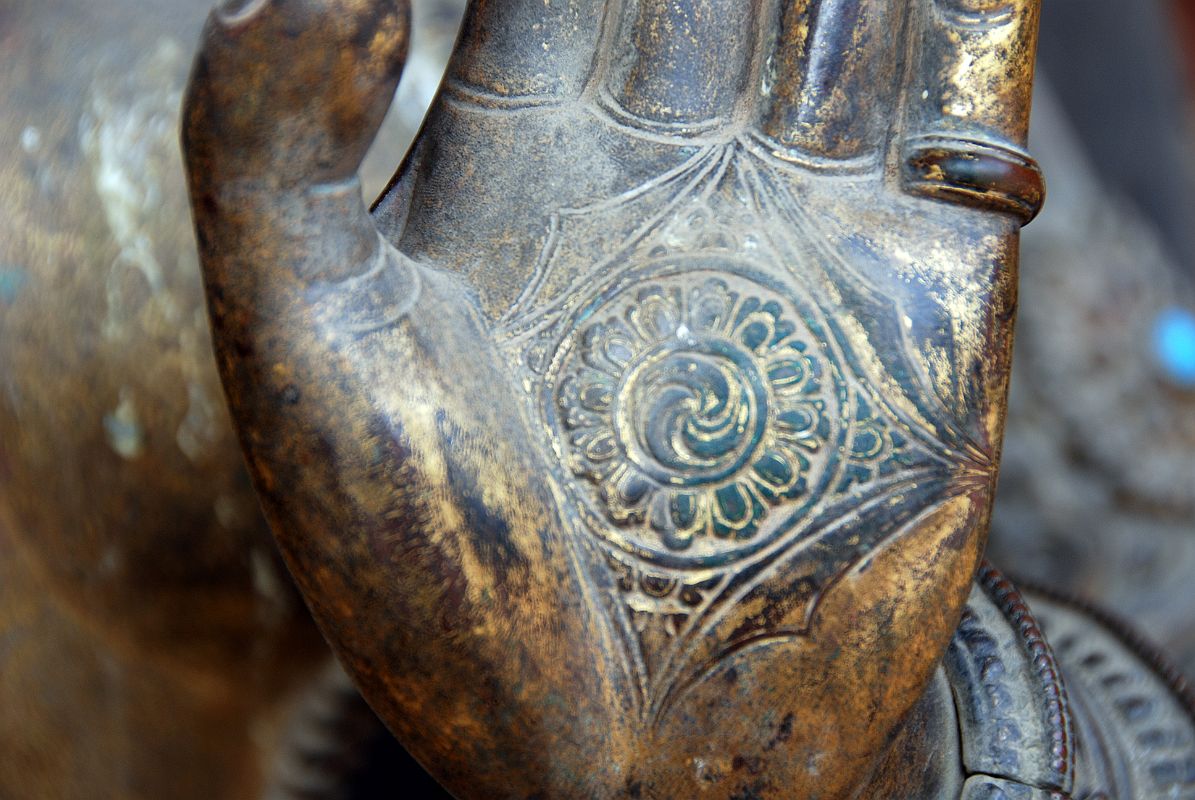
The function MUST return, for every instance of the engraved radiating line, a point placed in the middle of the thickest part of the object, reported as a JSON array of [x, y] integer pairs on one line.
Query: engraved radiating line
[[697, 623], [628, 653], [545, 261], [693, 618], [629, 660], [725, 159], [539, 273], [702, 162], [787, 554], [920, 429], [475, 98], [663, 677]]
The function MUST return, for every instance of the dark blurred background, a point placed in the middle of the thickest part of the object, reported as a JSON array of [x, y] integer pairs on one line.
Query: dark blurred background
[[1097, 491]]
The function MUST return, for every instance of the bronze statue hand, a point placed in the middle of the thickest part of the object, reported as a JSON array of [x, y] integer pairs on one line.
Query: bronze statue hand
[[641, 443]]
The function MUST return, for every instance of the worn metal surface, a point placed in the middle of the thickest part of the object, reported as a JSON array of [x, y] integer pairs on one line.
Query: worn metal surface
[[151, 645], [649, 448]]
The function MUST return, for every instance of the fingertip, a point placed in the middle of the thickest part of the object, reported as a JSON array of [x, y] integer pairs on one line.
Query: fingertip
[[293, 90], [232, 13]]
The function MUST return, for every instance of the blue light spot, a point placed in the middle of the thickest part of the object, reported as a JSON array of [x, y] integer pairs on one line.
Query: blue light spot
[[1174, 345], [12, 279]]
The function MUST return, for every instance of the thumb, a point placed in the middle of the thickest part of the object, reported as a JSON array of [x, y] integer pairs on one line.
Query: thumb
[[289, 91]]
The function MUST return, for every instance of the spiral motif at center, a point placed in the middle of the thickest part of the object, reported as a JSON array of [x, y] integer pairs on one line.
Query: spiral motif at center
[[691, 414], [691, 408]]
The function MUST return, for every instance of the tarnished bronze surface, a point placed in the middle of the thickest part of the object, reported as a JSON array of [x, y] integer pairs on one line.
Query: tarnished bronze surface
[[642, 443], [151, 644]]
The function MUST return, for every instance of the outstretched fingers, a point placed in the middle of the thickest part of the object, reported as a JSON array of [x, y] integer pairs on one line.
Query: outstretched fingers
[[675, 63], [821, 80], [685, 64], [834, 73], [962, 70]]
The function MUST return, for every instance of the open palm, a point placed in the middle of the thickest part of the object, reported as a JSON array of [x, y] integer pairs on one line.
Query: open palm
[[641, 442]]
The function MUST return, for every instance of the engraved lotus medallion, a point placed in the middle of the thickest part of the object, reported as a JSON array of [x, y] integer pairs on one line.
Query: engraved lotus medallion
[[694, 410]]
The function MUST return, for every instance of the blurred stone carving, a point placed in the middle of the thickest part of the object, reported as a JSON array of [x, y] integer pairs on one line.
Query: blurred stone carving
[[1097, 491]]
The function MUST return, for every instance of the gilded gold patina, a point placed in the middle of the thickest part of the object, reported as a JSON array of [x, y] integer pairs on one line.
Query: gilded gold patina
[[641, 442]]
